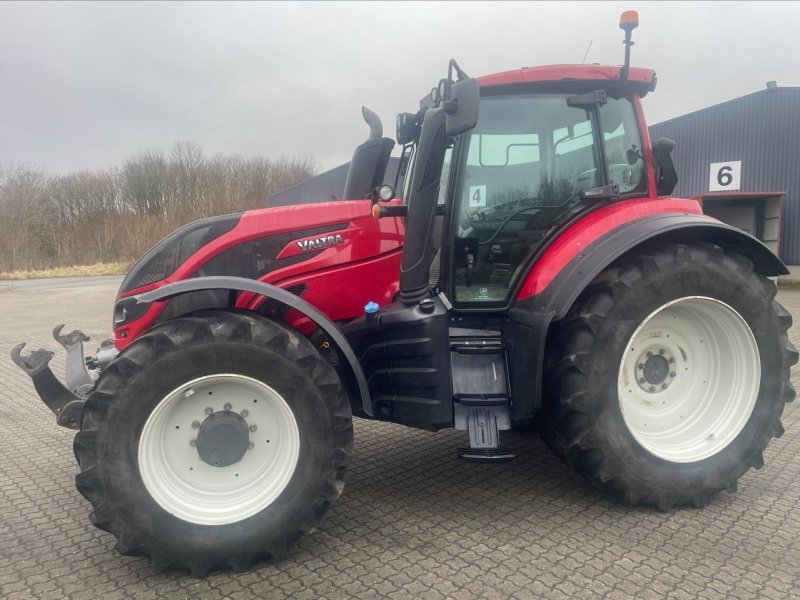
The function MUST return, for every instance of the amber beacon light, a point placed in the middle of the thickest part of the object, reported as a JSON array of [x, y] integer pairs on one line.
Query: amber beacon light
[[629, 20]]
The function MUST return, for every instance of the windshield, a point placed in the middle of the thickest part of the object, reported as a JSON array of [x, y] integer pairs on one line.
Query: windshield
[[526, 163]]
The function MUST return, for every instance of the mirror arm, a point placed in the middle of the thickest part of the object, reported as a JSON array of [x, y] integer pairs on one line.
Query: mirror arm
[[459, 72]]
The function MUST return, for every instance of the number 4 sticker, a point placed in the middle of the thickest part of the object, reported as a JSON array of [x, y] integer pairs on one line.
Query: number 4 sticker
[[477, 196], [724, 176]]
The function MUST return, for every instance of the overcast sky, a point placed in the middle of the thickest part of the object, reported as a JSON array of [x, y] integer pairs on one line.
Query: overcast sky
[[85, 85]]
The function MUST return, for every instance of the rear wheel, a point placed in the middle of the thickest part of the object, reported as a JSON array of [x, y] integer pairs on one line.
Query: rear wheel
[[669, 376], [214, 441]]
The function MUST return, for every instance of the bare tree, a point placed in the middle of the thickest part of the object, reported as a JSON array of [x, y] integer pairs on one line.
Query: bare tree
[[117, 214]]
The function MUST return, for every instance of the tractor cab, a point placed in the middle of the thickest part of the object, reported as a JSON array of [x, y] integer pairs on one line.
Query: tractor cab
[[495, 170], [538, 156]]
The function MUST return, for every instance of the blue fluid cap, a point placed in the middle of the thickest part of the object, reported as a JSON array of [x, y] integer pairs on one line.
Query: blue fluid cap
[[371, 308]]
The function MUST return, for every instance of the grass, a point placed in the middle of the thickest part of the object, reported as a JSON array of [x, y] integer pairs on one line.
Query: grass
[[789, 283], [94, 270]]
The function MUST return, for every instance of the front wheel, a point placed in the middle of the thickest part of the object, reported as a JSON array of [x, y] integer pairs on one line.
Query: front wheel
[[668, 378], [214, 441]]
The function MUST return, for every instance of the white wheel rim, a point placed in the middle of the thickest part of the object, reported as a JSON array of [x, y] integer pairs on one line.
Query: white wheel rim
[[185, 485], [710, 389]]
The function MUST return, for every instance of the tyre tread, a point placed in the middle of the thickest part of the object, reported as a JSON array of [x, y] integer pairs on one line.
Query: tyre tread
[[212, 326], [570, 428]]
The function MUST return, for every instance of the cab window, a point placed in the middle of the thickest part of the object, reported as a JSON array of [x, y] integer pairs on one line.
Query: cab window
[[523, 168]]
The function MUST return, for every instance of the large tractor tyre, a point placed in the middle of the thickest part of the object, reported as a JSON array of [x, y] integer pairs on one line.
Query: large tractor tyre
[[214, 441], [668, 377]]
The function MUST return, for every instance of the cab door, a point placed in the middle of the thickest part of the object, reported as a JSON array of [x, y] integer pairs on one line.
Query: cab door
[[518, 183]]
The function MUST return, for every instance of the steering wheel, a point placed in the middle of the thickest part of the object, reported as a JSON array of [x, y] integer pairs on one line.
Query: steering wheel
[[505, 222]]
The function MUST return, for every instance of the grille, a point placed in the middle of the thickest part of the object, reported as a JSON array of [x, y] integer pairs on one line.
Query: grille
[[255, 258], [276, 309]]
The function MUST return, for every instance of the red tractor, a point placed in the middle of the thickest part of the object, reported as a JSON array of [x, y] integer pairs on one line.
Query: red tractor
[[531, 272]]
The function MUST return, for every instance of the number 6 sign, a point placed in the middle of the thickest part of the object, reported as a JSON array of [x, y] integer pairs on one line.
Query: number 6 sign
[[724, 176]]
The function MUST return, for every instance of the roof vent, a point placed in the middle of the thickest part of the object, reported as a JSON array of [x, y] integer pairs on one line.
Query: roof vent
[[772, 85]]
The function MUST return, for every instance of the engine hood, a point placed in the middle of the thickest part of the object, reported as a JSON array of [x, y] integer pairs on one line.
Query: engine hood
[[270, 244]]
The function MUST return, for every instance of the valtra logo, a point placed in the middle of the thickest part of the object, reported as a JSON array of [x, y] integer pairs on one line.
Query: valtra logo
[[320, 243]]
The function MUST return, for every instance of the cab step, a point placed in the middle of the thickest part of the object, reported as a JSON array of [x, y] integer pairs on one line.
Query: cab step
[[481, 399]]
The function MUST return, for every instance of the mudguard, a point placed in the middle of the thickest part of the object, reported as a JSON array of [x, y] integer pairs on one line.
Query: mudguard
[[259, 287], [551, 289], [562, 289]]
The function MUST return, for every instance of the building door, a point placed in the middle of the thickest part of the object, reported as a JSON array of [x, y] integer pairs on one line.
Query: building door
[[742, 217]]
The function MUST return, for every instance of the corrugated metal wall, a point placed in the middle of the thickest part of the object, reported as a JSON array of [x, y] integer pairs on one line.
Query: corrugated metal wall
[[763, 131], [324, 187]]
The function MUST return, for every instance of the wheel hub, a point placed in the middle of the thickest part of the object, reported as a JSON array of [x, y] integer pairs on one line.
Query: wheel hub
[[655, 370], [223, 438]]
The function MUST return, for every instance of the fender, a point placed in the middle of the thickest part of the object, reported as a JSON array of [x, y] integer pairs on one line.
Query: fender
[[565, 287], [259, 287], [532, 314]]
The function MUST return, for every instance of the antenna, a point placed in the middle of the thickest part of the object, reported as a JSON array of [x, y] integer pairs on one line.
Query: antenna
[[587, 52]]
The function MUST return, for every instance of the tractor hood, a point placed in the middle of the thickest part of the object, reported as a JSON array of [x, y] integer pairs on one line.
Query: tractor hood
[[333, 254], [269, 244]]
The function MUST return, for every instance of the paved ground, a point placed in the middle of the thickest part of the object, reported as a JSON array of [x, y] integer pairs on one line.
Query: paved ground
[[414, 521]]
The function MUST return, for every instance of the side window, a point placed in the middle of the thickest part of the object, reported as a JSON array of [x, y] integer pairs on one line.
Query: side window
[[445, 178], [526, 162], [575, 155], [623, 145]]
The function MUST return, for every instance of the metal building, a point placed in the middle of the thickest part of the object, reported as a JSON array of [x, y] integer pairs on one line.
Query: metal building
[[324, 187], [741, 159]]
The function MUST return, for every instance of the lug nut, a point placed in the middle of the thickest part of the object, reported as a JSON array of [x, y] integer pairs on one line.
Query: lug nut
[[672, 373], [649, 354], [664, 386], [642, 380], [227, 406], [253, 427], [652, 388], [661, 351], [671, 360], [641, 366], [193, 442], [251, 445], [208, 410], [195, 424], [245, 412]]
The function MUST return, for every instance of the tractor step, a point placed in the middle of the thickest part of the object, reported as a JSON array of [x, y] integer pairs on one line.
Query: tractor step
[[486, 455], [483, 419], [481, 399]]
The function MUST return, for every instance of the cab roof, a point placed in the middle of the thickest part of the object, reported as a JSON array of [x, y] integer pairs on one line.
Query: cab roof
[[643, 80]]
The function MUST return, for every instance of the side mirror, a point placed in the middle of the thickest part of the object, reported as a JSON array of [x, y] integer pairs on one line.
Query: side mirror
[[666, 174], [633, 156], [408, 128], [663, 147], [461, 109]]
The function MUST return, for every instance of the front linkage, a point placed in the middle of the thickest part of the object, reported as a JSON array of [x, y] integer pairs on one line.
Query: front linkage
[[66, 402]]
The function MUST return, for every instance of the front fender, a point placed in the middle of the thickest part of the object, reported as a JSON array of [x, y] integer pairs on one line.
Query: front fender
[[259, 287]]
